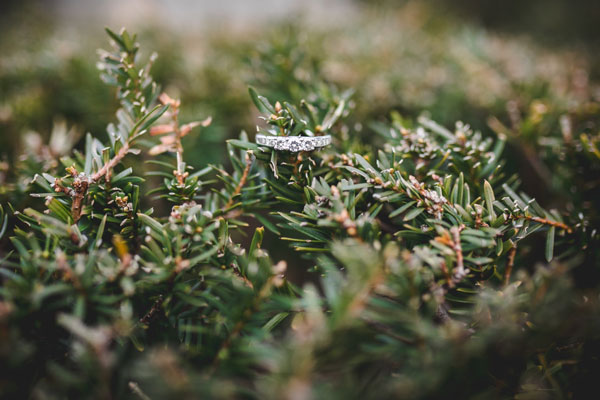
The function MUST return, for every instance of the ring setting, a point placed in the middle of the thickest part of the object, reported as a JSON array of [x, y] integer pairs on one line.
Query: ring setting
[[293, 144]]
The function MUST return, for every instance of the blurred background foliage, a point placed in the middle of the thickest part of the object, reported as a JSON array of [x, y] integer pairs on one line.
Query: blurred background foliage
[[404, 56]]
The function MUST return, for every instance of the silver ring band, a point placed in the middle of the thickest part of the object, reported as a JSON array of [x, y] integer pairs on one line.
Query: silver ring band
[[294, 144]]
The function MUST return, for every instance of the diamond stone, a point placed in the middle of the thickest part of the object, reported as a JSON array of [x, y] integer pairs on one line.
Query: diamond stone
[[281, 144], [294, 145]]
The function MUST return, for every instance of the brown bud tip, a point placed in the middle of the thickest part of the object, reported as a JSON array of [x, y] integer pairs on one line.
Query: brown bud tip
[[161, 129], [72, 170], [165, 98]]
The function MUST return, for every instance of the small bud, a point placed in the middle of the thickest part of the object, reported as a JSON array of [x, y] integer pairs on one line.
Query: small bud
[[161, 129], [335, 191], [72, 170], [280, 267]]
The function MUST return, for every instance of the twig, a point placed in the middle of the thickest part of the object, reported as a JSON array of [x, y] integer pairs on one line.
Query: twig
[[242, 181], [106, 168], [238, 273], [447, 274], [460, 272], [545, 221], [177, 130], [509, 264], [452, 240], [81, 182], [153, 311], [172, 142], [135, 388], [297, 161]]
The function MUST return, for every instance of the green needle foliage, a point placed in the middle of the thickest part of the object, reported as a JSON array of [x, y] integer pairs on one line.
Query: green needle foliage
[[424, 273]]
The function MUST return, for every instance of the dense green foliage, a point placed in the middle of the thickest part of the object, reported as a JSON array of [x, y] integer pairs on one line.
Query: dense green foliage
[[407, 260]]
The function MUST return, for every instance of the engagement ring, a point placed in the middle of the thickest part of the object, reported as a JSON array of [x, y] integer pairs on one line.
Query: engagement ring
[[294, 144]]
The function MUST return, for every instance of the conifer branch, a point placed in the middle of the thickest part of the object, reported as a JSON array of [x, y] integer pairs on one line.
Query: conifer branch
[[549, 222], [242, 181]]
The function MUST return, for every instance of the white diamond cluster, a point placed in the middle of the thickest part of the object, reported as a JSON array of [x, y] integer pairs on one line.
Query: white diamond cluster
[[294, 144]]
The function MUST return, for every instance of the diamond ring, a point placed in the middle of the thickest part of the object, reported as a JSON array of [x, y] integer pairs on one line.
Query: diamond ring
[[294, 144]]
